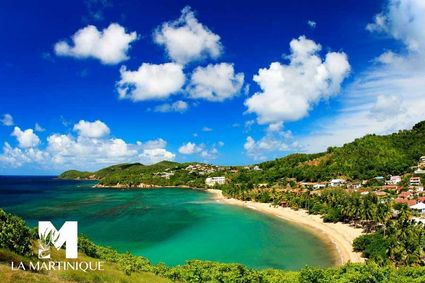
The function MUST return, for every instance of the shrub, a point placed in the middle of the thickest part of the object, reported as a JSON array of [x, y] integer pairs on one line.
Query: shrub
[[14, 234]]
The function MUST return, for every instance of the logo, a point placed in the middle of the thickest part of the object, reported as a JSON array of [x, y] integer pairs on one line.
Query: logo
[[48, 235]]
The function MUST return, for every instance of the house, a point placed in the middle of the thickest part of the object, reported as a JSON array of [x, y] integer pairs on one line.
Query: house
[[394, 180], [380, 193], [337, 182], [415, 181], [420, 206], [212, 181], [404, 195], [257, 168], [409, 202], [380, 178], [392, 188], [422, 159], [355, 186]]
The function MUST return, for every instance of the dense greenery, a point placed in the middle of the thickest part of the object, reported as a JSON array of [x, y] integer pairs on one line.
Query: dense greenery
[[133, 174], [335, 204], [364, 158], [401, 242], [14, 234]]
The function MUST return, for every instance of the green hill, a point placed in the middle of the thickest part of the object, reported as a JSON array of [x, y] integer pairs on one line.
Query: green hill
[[364, 158]]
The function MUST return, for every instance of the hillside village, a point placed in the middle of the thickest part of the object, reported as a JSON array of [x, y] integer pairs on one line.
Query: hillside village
[[406, 189]]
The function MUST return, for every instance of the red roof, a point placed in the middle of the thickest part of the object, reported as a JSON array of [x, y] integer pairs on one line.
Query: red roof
[[391, 187], [421, 199], [409, 202], [404, 195]]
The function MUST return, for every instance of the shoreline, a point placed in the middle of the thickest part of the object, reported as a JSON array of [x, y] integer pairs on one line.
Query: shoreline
[[338, 236]]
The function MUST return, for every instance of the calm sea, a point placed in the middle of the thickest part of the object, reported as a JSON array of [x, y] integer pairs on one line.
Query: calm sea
[[164, 225]]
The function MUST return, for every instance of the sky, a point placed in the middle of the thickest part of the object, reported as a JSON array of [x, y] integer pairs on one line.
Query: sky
[[87, 84]]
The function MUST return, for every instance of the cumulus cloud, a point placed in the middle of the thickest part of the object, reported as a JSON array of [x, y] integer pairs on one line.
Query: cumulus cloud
[[89, 150], [110, 45], [273, 144], [96, 129], [289, 91], [390, 94], [178, 106], [7, 120], [215, 82], [26, 138], [187, 40], [202, 150], [190, 148], [151, 81], [404, 21]]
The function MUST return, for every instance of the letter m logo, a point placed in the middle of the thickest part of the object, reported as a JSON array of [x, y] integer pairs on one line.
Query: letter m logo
[[48, 235]]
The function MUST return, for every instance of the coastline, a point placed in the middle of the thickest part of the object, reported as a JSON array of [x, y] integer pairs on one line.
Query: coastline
[[339, 236]]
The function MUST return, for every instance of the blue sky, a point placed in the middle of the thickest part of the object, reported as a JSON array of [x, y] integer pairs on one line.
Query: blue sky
[[225, 82]]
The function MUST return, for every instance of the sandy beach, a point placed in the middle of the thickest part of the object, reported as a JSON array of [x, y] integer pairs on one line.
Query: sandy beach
[[339, 236]]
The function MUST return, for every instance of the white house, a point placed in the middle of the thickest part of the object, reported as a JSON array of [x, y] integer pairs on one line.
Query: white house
[[415, 181], [394, 180], [420, 206], [337, 182], [211, 181]]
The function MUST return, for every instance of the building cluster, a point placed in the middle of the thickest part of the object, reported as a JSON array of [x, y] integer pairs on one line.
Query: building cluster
[[411, 193], [203, 169]]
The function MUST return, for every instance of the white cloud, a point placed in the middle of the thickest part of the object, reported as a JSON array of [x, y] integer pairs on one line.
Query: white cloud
[[312, 24], [178, 106], [155, 155], [386, 106], [96, 129], [201, 150], [215, 82], [27, 138], [186, 39], [81, 152], [206, 129], [151, 81], [403, 20], [190, 148], [388, 57], [390, 94], [7, 120], [110, 45], [272, 144], [288, 92], [17, 157], [38, 128]]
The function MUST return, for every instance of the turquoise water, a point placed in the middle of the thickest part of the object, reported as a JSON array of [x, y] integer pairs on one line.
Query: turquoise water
[[165, 225]]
